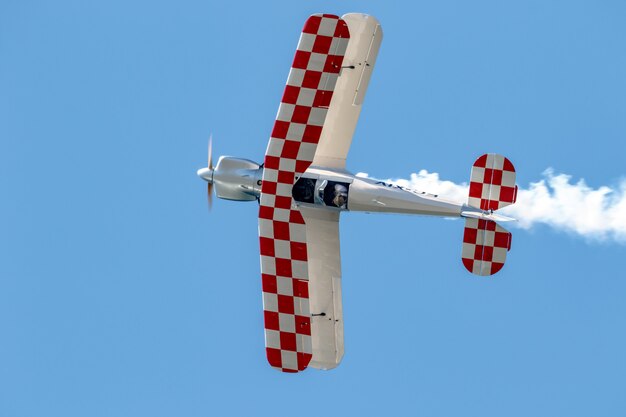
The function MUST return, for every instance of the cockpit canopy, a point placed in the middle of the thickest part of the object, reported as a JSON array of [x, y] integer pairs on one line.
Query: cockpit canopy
[[322, 192]]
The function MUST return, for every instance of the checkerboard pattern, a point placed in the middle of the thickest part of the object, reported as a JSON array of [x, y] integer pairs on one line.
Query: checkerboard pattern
[[290, 151], [492, 183], [485, 245]]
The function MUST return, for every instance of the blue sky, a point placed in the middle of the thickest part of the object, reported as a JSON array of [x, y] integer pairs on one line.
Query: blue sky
[[120, 295]]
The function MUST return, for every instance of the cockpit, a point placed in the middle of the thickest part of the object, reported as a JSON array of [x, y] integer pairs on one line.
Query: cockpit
[[322, 192]]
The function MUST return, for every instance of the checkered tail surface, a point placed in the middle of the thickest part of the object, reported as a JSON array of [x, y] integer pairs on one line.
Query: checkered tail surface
[[485, 245], [282, 231], [492, 183]]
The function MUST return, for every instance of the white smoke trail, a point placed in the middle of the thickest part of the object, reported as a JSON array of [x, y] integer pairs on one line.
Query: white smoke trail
[[554, 200]]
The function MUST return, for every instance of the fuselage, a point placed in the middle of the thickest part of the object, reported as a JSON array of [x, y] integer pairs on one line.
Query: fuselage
[[342, 190], [330, 189]]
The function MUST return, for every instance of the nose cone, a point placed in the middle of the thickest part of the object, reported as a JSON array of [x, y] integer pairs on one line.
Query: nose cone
[[206, 174]]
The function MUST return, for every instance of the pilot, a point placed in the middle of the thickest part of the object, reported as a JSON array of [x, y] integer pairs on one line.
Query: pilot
[[341, 196]]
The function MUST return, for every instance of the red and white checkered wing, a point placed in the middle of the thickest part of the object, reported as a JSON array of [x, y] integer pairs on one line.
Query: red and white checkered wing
[[290, 151], [492, 183], [485, 245]]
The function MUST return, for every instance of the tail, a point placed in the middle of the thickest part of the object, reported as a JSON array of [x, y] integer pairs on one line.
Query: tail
[[485, 243]]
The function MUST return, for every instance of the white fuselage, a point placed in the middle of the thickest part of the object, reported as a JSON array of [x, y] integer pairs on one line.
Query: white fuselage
[[336, 190], [370, 195]]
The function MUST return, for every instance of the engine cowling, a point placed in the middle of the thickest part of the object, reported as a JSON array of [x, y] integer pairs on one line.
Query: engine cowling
[[237, 179]]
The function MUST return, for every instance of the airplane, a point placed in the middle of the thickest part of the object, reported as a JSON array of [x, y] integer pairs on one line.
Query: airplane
[[303, 187]]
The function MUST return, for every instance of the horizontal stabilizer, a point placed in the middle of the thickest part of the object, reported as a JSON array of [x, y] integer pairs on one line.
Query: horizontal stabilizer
[[485, 245], [492, 183]]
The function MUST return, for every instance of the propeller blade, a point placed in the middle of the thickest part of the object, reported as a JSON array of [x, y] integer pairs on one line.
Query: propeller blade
[[210, 151], [210, 195]]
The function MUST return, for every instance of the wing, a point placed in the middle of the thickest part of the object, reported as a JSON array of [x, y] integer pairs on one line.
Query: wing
[[322, 232], [282, 230], [365, 37]]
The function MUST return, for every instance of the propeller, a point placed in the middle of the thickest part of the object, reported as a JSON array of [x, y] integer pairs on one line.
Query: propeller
[[207, 173], [210, 165]]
